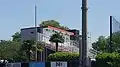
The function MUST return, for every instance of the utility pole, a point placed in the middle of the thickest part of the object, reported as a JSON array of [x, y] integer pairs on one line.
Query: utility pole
[[35, 35], [110, 45], [84, 33]]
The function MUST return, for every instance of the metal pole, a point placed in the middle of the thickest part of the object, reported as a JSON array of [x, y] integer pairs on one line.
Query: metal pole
[[110, 45], [36, 36], [84, 33]]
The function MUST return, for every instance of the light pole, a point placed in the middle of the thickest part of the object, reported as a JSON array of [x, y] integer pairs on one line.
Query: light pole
[[35, 36], [84, 33]]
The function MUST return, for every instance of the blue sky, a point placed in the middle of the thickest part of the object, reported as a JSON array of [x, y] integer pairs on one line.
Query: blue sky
[[15, 14]]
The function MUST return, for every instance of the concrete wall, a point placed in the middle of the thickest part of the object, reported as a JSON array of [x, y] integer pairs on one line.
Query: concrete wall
[[28, 34]]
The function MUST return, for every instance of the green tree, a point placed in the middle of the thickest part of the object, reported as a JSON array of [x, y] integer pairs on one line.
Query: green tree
[[116, 42], [13, 50], [50, 23], [102, 44], [57, 38], [53, 23], [28, 47], [16, 37], [108, 59], [8, 50]]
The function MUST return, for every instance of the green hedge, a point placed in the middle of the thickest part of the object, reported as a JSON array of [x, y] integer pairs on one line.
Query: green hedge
[[63, 56], [102, 60], [108, 59]]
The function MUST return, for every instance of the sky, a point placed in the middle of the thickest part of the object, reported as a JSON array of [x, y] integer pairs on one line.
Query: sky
[[16, 14]]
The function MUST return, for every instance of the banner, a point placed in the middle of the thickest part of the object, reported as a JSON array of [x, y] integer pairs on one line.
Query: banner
[[13, 65], [37, 64]]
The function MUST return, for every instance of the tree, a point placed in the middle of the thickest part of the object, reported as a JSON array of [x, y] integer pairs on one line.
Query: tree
[[16, 37], [13, 50], [53, 23], [57, 38], [9, 50], [50, 23], [28, 47], [108, 59], [103, 45], [116, 42]]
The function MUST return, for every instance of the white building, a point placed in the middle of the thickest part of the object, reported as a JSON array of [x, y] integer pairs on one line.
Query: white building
[[44, 34]]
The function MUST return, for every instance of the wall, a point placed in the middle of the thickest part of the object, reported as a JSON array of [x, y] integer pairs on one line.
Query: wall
[[47, 32]]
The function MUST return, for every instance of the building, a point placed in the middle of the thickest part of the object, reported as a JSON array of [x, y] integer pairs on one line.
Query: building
[[43, 34], [75, 39]]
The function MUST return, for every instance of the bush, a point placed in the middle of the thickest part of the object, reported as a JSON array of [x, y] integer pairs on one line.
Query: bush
[[63, 56], [108, 59]]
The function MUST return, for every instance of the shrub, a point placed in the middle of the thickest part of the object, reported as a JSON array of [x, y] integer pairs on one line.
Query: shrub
[[110, 59], [63, 56]]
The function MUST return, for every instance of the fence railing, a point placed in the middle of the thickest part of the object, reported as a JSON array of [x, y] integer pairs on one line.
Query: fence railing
[[62, 48]]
